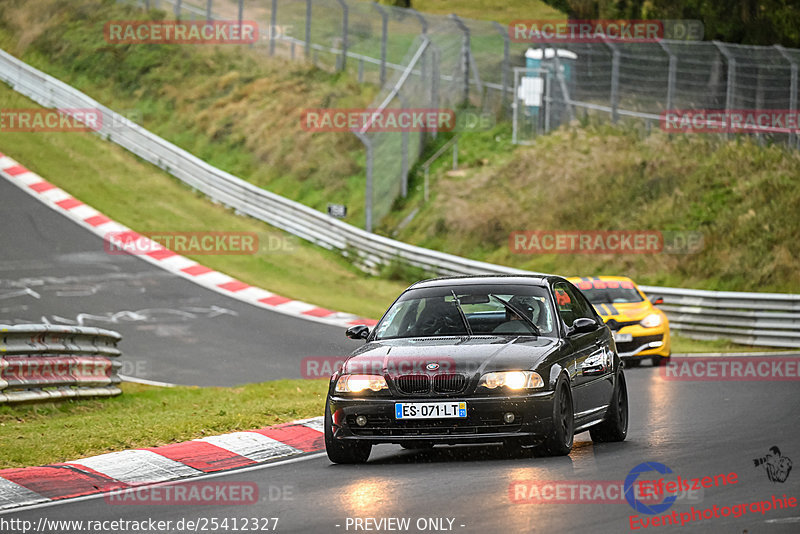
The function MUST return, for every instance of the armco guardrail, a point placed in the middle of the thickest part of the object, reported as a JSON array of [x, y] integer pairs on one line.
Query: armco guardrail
[[41, 362], [767, 319]]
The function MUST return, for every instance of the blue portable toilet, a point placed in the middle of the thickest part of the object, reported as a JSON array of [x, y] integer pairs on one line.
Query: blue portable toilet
[[545, 58]]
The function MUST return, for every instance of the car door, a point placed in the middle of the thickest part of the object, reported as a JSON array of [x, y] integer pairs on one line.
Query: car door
[[592, 378]]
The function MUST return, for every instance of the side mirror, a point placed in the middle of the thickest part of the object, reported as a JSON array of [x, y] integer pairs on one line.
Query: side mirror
[[583, 325], [657, 300], [358, 332]]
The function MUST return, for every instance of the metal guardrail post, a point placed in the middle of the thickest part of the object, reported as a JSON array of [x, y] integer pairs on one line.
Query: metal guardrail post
[[730, 85], [671, 76], [209, 10], [308, 28], [614, 93], [177, 8], [792, 88], [465, 53], [240, 15], [273, 24], [506, 65], [343, 60], [384, 37]]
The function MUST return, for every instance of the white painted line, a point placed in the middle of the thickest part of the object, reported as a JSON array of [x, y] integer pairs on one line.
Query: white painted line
[[253, 445], [146, 382], [137, 466], [12, 494], [200, 477]]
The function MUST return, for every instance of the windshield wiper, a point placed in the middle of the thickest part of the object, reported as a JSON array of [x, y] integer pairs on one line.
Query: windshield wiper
[[518, 313], [462, 314]]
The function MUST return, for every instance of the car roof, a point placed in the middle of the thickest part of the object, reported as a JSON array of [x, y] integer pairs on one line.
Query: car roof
[[602, 277], [500, 279]]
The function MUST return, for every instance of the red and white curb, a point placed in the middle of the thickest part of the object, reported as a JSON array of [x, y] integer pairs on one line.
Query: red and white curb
[[118, 471], [96, 222]]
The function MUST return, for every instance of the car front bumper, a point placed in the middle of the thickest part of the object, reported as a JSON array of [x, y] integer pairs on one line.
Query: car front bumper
[[484, 422]]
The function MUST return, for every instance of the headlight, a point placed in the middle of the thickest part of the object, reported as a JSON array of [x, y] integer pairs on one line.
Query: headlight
[[651, 321], [356, 383], [512, 380]]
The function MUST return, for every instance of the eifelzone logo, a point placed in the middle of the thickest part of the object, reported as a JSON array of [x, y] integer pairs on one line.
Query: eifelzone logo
[[776, 466]]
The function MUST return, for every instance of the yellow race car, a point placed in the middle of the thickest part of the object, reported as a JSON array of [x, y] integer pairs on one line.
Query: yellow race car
[[640, 329]]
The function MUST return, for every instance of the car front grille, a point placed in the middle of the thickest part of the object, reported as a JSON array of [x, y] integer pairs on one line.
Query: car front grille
[[449, 383], [637, 342], [411, 384], [443, 384]]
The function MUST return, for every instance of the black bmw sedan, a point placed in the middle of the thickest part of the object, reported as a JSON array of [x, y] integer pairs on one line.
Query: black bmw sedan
[[520, 360]]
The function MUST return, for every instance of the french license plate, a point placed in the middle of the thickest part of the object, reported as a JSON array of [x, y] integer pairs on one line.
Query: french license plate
[[622, 338], [430, 410]]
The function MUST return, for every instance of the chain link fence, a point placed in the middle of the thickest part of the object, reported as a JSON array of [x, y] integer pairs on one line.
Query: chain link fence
[[434, 61]]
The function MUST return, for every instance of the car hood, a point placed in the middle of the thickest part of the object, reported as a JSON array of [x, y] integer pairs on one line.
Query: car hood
[[468, 355], [626, 311]]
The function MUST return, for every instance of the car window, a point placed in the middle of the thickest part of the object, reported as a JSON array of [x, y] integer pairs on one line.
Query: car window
[[435, 312], [571, 304], [609, 291]]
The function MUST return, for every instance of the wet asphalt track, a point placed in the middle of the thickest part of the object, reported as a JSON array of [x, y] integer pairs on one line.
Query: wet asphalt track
[[177, 331], [53, 270], [695, 428]]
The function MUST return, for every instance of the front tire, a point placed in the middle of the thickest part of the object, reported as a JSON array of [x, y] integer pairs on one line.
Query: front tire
[[615, 425], [343, 452], [559, 441]]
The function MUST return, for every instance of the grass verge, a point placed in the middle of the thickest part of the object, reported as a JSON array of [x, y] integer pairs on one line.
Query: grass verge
[[146, 416]]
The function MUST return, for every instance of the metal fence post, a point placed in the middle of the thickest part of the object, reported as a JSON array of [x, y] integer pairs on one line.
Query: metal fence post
[[673, 70], [384, 36], [308, 28], [368, 189], [730, 88], [434, 71], [465, 52], [241, 12], [506, 65], [209, 12], [404, 152], [614, 96], [343, 63], [792, 89], [178, 9], [273, 23]]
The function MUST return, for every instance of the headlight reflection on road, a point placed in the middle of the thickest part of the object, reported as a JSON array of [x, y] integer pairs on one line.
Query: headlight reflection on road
[[371, 497], [660, 421]]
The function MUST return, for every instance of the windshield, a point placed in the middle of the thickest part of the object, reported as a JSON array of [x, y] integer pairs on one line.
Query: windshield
[[609, 291], [469, 310]]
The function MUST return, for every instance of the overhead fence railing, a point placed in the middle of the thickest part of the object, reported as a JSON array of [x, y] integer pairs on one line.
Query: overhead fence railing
[[700, 318], [44, 362]]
